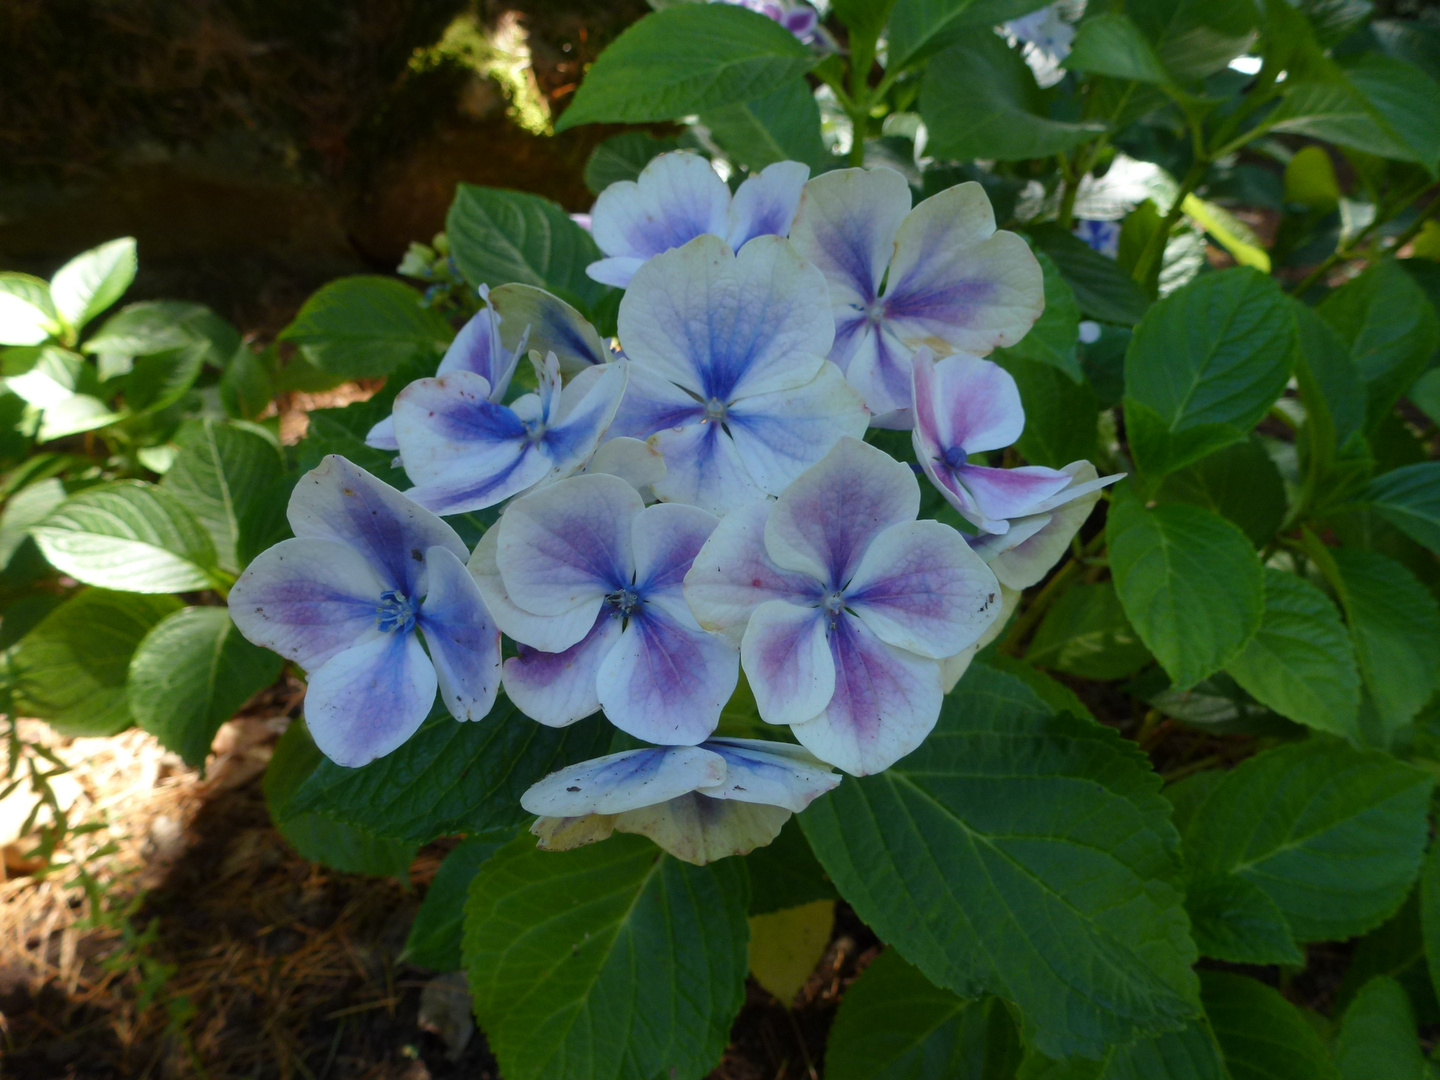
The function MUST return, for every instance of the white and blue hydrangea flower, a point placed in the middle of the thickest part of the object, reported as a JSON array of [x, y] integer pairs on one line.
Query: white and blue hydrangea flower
[[1045, 31], [844, 605], [700, 803], [535, 320], [1101, 236], [465, 452], [678, 197], [951, 281], [728, 376], [587, 580], [802, 20], [1035, 541], [349, 599]]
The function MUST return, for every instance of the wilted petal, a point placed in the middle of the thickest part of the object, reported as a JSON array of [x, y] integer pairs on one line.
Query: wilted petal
[[652, 403], [886, 701], [666, 683], [765, 204], [307, 599], [703, 467], [552, 633], [1028, 562], [733, 574], [626, 781], [382, 435], [780, 435], [568, 833], [963, 401], [676, 198], [846, 226], [340, 501], [787, 662], [665, 540], [824, 521], [724, 326], [1001, 494], [366, 701], [876, 364], [568, 545], [463, 641], [775, 773], [477, 348], [532, 318], [698, 829], [556, 689], [633, 460], [921, 588], [957, 284]]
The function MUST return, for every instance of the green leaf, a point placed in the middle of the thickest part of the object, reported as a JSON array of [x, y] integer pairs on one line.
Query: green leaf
[[71, 669], [1188, 1054], [1053, 830], [1233, 919], [451, 777], [1196, 38], [365, 326], [1410, 499], [1377, 1039], [1300, 662], [246, 388], [863, 18], [157, 326], [980, 100], [192, 672], [28, 506], [1228, 231], [1395, 626], [434, 939], [27, 314], [1430, 913], [621, 157], [1189, 582], [1261, 1035], [783, 125], [1333, 835], [1056, 696], [1390, 329], [894, 1024], [686, 59], [921, 28], [89, 283], [1406, 101], [1103, 290], [64, 387], [1239, 482], [225, 476], [1331, 107], [500, 236], [316, 837], [1204, 365], [129, 536], [1111, 44], [785, 873], [611, 961], [1395, 949], [1333, 396], [1086, 633], [1053, 338], [1060, 414], [161, 379]]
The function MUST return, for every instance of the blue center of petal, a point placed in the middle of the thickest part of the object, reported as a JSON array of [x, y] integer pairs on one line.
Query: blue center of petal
[[875, 312], [715, 411], [955, 457], [623, 602], [396, 611], [833, 603]]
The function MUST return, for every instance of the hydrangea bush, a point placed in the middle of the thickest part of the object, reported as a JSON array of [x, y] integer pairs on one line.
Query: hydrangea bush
[[919, 397]]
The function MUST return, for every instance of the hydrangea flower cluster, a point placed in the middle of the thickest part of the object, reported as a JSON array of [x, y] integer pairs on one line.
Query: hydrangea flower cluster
[[699, 505]]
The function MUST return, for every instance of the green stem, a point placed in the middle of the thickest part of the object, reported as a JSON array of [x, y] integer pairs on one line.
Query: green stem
[[1032, 615], [1347, 251], [1155, 246], [862, 56]]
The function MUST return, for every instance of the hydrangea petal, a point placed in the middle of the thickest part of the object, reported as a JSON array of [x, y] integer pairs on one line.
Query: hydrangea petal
[[772, 773], [787, 662], [652, 403], [556, 689], [626, 781], [382, 435], [307, 599], [676, 198], [957, 284], [665, 683], [463, 641], [568, 544], [531, 318], [703, 467], [886, 701], [780, 435], [824, 521], [552, 633], [477, 348], [877, 365], [724, 326], [633, 460], [966, 402], [765, 204], [846, 226], [586, 408], [616, 271], [666, 539], [1028, 562], [340, 501], [366, 701], [920, 588], [733, 574], [1000, 494], [569, 833], [953, 667], [698, 829]]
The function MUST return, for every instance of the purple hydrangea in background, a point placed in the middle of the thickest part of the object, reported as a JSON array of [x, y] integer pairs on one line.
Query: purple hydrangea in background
[[951, 281], [465, 452], [678, 197], [1102, 236], [1046, 31], [728, 376], [700, 803], [345, 598], [800, 19], [588, 580], [844, 605]]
